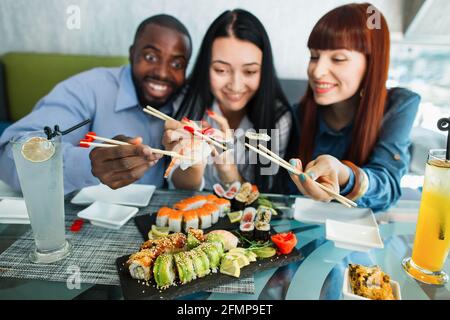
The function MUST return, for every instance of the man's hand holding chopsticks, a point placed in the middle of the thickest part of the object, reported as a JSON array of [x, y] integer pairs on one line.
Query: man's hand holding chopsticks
[[122, 165]]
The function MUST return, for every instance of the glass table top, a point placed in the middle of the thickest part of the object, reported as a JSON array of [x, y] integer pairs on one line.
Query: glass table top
[[317, 276]]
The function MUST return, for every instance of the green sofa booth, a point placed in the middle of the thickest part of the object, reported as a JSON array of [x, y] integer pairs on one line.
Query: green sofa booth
[[27, 77]]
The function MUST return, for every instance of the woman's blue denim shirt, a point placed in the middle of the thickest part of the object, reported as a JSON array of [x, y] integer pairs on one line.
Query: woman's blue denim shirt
[[390, 158]]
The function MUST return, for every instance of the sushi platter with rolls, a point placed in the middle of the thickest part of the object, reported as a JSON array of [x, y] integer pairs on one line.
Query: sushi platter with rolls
[[222, 210], [180, 263], [187, 250]]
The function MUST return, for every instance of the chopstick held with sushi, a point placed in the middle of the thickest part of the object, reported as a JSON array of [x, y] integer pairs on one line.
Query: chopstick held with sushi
[[276, 159], [91, 136], [190, 126]]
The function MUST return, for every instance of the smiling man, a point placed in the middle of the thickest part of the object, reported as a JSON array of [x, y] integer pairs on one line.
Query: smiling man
[[113, 99]]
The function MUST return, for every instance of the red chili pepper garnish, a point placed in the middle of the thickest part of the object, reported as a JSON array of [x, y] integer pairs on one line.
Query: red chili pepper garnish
[[209, 112], [285, 242]]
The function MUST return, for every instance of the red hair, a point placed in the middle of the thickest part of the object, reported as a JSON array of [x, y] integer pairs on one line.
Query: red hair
[[346, 27]]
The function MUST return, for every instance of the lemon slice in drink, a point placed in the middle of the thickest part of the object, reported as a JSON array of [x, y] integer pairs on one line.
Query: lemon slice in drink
[[230, 267], [38, 149]]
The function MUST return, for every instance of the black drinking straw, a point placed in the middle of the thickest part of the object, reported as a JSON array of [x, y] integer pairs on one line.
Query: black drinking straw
[[51, 134], [444, 125]]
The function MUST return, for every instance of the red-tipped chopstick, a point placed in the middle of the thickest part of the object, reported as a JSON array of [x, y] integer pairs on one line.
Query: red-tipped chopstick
[[91, 136], [205, 137]]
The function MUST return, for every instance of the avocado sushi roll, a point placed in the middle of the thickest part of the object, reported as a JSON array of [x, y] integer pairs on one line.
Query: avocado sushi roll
[[185, 267], [164, 271], [200, 261], [194, 238], [213, 255]]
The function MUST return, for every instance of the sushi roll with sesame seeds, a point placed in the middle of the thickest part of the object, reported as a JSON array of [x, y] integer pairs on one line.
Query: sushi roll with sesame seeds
[[224, 206], [162, 217], [185, 267], [175, 221], [214, 211], [213, 254], [164, 271], [140, 264], [200, 261], [205, 220], [190, 220]]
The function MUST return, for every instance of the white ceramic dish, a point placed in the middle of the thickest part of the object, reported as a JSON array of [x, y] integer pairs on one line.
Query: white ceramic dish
[[311, 211], [107, 215], [352, 236], [13, 211], [348, 294], [132, 195]]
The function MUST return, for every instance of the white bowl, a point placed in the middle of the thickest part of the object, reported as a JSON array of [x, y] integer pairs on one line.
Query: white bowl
[[349, 295]]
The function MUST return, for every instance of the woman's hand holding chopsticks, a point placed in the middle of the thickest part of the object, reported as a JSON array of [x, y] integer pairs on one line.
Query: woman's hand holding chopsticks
[[326, 170]]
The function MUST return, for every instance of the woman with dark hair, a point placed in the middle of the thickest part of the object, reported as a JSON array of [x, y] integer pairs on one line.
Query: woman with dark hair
[[234, 85], [353, 133]]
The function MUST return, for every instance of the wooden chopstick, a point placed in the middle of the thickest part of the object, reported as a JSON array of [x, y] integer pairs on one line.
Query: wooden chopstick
[[114, 143], [205, 137], [346, 202], [97, 145], [273, 154], [158, 114], [351, 203], [111, 141]]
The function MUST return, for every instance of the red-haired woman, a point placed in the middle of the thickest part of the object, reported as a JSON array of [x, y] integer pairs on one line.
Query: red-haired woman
[[353, 133]]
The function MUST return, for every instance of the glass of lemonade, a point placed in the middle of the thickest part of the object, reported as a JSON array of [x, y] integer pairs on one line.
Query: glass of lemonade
[[432, 240], [40, 170]]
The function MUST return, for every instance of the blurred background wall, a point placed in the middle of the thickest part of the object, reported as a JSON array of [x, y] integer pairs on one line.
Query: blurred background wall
[[107, 26]]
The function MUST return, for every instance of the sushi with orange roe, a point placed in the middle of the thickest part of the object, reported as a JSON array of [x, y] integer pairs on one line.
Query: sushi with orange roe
[[211, 198], [205, 219], [162, 217], [190, 220], [175, 221], [191, 203], [214, 210], [224, 206]]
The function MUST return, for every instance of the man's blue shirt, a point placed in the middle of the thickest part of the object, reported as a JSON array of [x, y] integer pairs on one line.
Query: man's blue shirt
[[108, 97]]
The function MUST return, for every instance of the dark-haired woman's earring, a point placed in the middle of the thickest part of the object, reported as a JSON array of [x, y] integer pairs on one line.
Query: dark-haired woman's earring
[[361, 93]]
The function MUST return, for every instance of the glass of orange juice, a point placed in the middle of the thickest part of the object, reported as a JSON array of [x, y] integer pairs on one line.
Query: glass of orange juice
[[432, 240]]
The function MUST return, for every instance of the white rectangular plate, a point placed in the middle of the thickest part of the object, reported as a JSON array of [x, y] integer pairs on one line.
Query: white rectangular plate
[[352, 236], [13, 211], [311, 211], [132, 195], [108, 215]]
